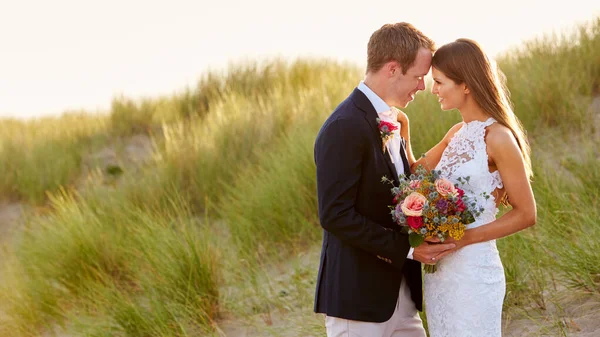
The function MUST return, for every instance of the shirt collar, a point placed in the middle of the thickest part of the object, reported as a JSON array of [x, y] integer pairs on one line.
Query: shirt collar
[[379, 105], [383, 110]]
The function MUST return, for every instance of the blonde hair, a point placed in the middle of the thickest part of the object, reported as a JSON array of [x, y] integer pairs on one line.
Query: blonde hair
[[463, 61], [398, 42]]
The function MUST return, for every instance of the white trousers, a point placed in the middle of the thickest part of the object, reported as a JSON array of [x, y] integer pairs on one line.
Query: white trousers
[[405, 322]]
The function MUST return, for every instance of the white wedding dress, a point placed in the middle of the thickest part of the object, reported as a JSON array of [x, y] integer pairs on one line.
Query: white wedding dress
[[464, 297]]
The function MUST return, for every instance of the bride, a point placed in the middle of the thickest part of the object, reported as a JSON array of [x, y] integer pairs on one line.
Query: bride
[[464, 296]]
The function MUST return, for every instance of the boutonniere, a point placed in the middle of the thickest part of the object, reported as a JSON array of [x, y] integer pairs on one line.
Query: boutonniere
[[385, 131]]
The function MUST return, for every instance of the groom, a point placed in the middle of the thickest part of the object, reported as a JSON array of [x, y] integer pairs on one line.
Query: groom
[[369, 281]]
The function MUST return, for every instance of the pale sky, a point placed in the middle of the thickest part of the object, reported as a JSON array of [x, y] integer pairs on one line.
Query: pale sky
[[58, 55]]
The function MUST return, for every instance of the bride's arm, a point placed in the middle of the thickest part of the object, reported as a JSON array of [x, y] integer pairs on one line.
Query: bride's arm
[[433, 156], [505, 153], [405, 133]]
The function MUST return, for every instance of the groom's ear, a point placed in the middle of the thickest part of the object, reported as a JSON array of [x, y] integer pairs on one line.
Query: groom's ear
[[392, 68]]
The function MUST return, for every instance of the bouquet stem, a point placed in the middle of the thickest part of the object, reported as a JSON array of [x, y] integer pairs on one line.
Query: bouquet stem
[[430, 268]]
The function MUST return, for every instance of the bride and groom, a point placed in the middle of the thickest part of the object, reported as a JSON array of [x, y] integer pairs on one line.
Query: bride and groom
[[370, 281]]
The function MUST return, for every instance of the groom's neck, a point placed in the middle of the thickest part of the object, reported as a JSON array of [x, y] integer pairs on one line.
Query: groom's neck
[[376, 84]]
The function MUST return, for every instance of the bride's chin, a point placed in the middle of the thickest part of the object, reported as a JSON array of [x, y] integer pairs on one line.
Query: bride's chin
[[444, 107]]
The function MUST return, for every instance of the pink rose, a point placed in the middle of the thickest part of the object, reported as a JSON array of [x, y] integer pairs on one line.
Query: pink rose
[[413, 204], [415, 222], [415, 184], [444, 187]]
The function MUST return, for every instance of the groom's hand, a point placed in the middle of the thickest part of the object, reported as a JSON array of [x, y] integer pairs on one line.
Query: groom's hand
[[431, 253]]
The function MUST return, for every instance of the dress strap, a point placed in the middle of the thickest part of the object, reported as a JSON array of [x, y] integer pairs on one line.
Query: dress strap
[[489, 122]]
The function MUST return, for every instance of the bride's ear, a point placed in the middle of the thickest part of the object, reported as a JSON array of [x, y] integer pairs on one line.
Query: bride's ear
[[466, 90]]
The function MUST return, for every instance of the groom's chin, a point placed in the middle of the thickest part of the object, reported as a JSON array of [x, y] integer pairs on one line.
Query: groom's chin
[[403, 105], [407, 102]]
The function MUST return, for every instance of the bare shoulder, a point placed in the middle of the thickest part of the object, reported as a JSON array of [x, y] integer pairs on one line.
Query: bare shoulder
[[500, 139]]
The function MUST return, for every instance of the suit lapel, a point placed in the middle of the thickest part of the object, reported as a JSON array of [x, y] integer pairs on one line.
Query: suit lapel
[[363, 103]]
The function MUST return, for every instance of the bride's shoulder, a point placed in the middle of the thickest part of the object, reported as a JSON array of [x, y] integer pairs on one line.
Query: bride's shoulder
[[500, 138], [497, 132], [453, 130]]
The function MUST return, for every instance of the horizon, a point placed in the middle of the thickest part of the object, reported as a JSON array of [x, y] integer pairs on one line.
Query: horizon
[[68, 56]]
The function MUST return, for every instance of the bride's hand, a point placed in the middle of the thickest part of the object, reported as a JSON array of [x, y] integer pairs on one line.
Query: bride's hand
[[431, 253], [458, 243]]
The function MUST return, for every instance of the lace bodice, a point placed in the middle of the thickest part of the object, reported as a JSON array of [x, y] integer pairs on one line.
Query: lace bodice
[[465, 162]]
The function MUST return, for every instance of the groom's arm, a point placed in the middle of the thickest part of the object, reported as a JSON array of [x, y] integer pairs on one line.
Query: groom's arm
[[339, 154]]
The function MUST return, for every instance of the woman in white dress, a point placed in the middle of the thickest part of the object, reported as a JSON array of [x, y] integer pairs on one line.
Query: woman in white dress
[[464, 296]]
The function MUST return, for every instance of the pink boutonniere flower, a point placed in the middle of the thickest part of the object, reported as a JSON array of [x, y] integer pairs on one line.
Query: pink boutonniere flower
[[385, 131]]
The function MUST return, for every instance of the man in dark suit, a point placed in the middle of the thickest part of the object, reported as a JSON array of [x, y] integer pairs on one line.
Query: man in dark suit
[[369, 281]]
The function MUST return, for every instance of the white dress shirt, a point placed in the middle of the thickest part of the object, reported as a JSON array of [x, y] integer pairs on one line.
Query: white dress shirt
[[393, 145]]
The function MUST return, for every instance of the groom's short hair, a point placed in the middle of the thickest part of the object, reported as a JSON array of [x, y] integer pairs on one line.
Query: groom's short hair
[[398, 42]]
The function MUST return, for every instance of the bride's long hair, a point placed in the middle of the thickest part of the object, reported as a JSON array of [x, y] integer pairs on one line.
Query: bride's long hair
[[463, 61]]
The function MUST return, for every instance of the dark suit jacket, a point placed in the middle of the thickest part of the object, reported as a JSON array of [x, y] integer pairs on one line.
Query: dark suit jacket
[[363, 257]]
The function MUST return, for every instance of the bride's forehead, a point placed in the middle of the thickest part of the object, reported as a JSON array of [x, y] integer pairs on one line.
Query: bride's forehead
[[437, 73]]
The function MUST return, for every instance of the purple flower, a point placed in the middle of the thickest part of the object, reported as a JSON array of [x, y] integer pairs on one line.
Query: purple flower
[[442, 206], [399, 212]]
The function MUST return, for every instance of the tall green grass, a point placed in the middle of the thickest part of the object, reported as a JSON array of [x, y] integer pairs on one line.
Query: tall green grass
[[42, 155], [552, 78], [140, 270], [205, 155], [276, 202]]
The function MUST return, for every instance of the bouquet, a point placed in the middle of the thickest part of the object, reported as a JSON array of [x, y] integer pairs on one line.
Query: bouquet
[[428, 206]]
